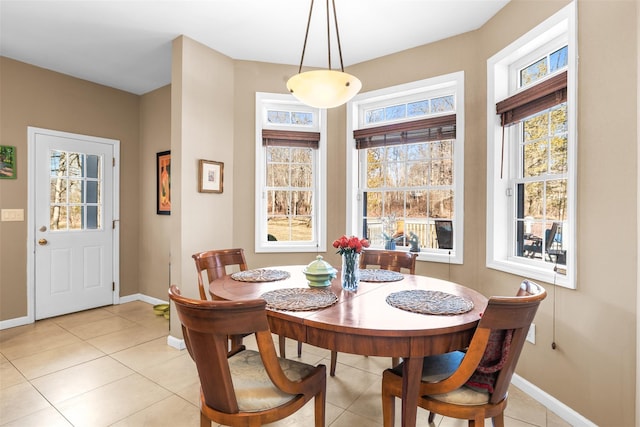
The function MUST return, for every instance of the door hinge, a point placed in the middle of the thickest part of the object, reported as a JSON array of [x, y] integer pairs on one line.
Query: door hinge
[[113, 286], [113, 162]]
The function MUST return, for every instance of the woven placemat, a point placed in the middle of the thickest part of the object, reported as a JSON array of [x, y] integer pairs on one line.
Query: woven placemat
[[260, 275], [299, 299], [375, 275], [429, 302]]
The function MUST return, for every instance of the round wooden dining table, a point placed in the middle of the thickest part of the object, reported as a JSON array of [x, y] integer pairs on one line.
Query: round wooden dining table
[[364, 322]]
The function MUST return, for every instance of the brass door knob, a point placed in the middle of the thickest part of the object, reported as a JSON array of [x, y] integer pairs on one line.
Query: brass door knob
[[42, 242]]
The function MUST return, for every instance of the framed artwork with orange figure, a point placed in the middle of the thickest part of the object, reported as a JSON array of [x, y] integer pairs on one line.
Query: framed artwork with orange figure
[[163, 181]]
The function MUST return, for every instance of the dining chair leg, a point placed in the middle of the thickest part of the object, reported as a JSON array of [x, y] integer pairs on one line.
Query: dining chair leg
[[299, 348], [395, 361], [334, 361], [235, 342], [204, 421], [281, 344], [388, 408]]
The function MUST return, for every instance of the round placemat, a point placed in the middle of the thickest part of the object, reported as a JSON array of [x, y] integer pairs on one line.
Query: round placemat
[[260, 275], [299, 299], [429, 302], [379, 275]]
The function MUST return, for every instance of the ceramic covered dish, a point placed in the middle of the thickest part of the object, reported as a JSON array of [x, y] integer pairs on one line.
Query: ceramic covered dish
[[319, 273]]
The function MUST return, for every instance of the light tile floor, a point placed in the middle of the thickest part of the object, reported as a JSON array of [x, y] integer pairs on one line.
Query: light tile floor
[[112, 366]]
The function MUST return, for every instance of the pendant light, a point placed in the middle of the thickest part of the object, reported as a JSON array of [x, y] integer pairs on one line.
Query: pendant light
[[324, 88]]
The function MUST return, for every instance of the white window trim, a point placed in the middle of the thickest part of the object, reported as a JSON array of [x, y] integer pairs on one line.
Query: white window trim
[[498, 256], [319, 244], [378, 97]]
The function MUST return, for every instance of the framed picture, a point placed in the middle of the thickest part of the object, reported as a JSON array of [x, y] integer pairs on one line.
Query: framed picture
[[7, 162], [211, 176], [163, 182]]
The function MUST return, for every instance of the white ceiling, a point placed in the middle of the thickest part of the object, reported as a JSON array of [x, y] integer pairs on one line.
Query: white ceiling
[[127, 44]]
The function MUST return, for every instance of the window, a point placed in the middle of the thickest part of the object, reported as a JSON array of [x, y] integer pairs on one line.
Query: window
[[290, 162], [405, 178], [75, 196], [532, 153]]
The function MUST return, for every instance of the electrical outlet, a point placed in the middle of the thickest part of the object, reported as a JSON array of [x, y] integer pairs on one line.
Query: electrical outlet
[[531, 334]]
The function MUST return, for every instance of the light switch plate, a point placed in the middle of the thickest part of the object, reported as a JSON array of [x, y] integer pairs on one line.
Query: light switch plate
[[12, 215]]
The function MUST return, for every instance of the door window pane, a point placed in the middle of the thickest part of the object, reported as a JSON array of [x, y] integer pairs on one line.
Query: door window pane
[[92, 217], [74, 191], [93, 166]]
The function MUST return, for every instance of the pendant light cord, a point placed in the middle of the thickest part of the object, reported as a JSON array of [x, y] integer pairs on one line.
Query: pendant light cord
[[306, 36], [335, 20], [329, 34]]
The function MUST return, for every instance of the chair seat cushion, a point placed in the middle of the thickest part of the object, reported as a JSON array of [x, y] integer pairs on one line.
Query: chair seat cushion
[[438, 367], [463, 396], [441, 366], [254, 390]]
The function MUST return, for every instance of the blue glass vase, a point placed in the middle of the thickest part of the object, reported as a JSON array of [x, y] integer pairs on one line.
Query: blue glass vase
[[350, 274]]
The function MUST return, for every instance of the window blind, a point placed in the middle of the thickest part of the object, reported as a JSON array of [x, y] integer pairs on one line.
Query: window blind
[[431, 129], [287, 138], [533, 100]]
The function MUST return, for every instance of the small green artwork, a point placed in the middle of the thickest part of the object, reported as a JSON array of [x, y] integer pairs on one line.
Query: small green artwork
[[7, 162]]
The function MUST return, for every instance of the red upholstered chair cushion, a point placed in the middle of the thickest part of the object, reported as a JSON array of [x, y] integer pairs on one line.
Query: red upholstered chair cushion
[[493, 359]]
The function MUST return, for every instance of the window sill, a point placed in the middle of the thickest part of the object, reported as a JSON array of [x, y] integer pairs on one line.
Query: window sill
[[543, 273], [432, 256], [281, 248]]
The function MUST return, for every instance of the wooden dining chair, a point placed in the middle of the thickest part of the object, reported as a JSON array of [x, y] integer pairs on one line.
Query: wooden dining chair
[[215, 263], [473, 385], [389, 260], [247, 387]]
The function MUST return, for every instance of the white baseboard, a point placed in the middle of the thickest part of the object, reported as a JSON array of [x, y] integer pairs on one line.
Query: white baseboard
[[176, 342], [551, 403], [143, 298], [12, 323]]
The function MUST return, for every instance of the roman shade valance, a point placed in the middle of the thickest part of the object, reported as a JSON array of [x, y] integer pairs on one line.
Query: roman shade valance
[[287, 138], [431, 129], [533, 100]]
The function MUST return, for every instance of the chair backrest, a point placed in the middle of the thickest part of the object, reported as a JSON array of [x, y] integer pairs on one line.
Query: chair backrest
[[206, 326], [444, 234], [550, 236], [513, 314], [215, 263], [389, 260]]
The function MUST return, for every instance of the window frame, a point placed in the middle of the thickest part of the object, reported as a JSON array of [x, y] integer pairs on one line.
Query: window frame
[[264, 102], [501, 83], [431, 87]]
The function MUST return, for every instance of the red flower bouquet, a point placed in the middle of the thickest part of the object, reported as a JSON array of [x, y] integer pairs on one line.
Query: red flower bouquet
[[350, 244]]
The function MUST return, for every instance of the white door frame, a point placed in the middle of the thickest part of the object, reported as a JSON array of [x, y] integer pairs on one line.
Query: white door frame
[[31, 191]]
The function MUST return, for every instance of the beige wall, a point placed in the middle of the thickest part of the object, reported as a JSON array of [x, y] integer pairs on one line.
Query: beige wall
[[32, 96], [202, 128], [593, 368], [155, 136], [594, 324]]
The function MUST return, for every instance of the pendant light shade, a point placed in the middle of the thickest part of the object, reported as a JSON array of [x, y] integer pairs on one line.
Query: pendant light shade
[[324, 88]]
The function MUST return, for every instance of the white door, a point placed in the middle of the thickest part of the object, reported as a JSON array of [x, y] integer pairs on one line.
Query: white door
[[74, 227]]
